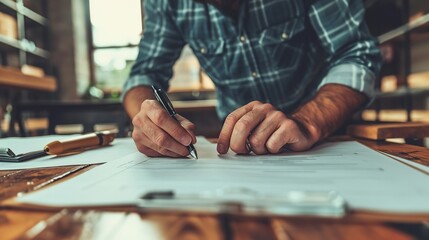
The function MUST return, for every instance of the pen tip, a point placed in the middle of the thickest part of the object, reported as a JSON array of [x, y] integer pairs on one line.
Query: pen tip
[[194, 154]]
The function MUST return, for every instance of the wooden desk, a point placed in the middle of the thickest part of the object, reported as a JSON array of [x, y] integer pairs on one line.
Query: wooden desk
[[14, 223]]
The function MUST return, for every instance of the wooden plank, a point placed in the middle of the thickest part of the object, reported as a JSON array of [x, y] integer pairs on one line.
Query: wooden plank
[[13, 223], [95, 224], [389, 130], [14, 78], [321, 229], [15, 182], [254, 228], [186, 226], [413, 153]]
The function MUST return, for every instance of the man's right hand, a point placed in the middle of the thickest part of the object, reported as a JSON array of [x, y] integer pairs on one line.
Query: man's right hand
[[156, 133]]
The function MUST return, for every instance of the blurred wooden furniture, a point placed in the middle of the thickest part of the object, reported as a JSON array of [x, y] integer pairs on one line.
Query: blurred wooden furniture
[[203, 114], [87, 113], [13, 79], [186, 225], [402, 28], [25, 64], [383, 131], [16, 79], [90, 113]]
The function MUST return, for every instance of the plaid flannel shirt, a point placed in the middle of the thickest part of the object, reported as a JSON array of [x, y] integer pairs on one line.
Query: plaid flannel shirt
[[276, 51]]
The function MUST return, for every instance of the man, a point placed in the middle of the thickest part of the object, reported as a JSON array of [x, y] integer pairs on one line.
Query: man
[[288, 73]]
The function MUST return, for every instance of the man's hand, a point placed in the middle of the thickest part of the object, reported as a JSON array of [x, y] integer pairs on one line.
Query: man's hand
[[261, 128], [155, 132]]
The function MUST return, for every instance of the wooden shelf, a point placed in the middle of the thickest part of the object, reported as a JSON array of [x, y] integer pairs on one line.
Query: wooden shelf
[[14, 78], [415, 24], [402, 92], [9, 44], [35, 17], [392, 115], [28, 13]]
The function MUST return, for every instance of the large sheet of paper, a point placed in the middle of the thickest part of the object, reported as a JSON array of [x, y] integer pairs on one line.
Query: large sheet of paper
[[365, 178], [116, 150]]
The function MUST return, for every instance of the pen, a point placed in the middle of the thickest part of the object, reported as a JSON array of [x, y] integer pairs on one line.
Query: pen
[[83, 142], [166, 104]]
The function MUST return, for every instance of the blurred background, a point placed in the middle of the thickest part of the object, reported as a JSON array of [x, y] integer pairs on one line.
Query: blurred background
[[64, 56]]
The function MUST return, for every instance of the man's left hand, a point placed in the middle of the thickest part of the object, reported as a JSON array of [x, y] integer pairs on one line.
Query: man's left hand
[[261, 128]]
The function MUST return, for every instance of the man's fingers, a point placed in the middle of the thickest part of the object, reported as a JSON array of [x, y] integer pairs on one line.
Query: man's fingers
[[189, 127], [288, 134], [160, 140], [226, 132], [143, 144], [243, 128], [228, 127], [163, 120], [260, 136], [160, 151], [156, 133]]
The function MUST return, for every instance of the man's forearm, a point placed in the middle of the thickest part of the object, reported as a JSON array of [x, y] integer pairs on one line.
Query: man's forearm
[[134, 98], [330, 108]]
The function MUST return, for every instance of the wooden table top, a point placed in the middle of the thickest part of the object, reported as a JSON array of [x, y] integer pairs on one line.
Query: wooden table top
[[16, 223]]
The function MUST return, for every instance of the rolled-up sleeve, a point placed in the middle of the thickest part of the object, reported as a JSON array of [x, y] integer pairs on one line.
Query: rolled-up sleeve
[[352, 52], [159, 48]]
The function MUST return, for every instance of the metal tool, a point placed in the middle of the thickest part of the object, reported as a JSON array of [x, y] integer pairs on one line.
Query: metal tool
[[7, 155]]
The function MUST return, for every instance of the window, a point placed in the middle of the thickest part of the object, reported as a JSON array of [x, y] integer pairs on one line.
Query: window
[[116, 27]]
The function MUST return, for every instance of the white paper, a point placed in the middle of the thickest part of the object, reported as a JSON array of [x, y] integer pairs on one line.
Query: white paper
[[116, 150], [365, 178]]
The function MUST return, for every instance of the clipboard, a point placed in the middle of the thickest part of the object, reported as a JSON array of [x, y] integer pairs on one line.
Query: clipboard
[[245, 201], [7, 155]]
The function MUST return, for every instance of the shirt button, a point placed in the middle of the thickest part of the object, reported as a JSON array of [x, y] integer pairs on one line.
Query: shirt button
[[203, 50], [285, 36], [243, 39], [254, 74]]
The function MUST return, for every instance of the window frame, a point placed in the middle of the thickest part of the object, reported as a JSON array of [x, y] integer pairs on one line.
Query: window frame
[[92, 48]]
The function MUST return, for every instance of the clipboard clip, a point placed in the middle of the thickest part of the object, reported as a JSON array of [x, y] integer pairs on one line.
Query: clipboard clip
[[7, 155], [247, 201]]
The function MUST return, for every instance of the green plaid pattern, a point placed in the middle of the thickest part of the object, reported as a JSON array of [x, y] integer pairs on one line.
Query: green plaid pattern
[[277, 51]]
